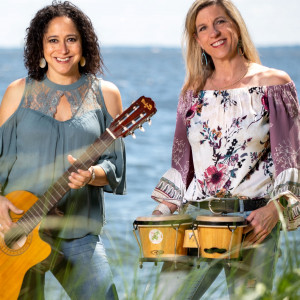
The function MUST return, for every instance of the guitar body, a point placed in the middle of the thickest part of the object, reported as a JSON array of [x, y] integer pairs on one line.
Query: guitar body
[[14, 263]]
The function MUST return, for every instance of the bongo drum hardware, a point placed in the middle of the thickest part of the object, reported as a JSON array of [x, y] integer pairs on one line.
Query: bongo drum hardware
[[161, 237], [191, 239], [220, 236]]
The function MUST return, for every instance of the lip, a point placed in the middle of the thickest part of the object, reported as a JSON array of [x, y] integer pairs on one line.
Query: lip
[[218, 43], [63, 59]]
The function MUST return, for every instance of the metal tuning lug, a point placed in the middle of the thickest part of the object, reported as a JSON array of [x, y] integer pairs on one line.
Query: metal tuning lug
[[132, 134], [149, 121], [141, 128]]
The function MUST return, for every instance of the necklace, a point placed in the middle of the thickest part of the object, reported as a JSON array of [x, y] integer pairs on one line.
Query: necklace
[[232, 84]]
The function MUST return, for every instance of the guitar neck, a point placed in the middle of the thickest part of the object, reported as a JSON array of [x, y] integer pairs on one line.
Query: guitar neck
[[133, 117], [58, 189]]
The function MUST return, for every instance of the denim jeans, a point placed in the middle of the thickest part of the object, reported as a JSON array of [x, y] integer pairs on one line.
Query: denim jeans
[[83, 271], [184, 281]]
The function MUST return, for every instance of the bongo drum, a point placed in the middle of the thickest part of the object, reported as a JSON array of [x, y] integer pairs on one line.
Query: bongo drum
[[162, 236], [220, 236]]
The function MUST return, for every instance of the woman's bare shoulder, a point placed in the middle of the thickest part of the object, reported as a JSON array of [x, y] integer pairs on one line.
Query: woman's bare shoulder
[[112, 98], [11, 99], [269, 76]]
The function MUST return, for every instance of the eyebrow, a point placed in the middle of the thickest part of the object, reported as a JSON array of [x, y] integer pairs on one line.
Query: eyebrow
[[69, 35], [203, 24]]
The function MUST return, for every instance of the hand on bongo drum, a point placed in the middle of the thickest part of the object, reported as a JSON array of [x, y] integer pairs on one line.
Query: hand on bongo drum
[[261, 222]]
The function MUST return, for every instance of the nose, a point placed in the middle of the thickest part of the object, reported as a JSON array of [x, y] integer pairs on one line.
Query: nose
[[214, 31], [64, 48]]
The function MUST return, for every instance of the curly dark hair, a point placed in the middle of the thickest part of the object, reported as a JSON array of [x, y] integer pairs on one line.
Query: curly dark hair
[[33, 50]]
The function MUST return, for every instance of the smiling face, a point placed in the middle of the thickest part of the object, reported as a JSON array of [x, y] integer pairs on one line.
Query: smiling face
[[216, 33], [62, 49]]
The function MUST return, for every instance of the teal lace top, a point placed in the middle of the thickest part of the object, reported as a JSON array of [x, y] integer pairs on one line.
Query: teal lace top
[[34, 148]]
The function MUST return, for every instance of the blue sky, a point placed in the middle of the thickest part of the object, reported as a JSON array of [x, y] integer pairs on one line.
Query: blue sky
[[156, 22]]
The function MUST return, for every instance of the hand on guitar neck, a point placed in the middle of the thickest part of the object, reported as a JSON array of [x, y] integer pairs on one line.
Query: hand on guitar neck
[[95, 175]]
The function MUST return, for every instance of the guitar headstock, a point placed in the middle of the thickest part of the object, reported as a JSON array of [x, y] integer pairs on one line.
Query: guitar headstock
[[133, 117]]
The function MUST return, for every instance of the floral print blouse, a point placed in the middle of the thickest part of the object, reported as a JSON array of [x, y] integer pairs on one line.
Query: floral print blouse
[[238, 142]]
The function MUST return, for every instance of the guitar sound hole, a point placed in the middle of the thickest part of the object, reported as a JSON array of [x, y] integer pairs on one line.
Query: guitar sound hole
[[14, 239]]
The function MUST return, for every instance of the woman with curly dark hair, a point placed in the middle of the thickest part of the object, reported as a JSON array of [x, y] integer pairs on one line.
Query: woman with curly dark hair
[[47, 121]]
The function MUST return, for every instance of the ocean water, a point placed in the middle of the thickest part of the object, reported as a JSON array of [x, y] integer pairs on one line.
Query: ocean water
[[157, 73]]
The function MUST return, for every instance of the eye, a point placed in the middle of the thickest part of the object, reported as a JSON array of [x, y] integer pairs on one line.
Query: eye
[[53, 41], [202, 28], [72, 39], [220, 21]]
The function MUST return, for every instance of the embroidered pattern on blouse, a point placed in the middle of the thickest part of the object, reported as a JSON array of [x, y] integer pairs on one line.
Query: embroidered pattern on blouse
[[229, 146], [286, 155], [178, 152], [226, 99], [169, 188], [40, 97]]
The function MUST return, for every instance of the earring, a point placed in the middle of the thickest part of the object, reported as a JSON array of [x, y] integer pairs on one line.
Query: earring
[[240, 49], [203, 57], [42, 63], [82, 61]]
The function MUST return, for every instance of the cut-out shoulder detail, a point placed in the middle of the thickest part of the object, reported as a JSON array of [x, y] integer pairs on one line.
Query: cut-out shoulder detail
[[11, 99], [112, 98]]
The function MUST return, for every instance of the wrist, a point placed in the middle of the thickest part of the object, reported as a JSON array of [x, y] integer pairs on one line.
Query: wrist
[[163, 208], [93, 175], [283, 202]]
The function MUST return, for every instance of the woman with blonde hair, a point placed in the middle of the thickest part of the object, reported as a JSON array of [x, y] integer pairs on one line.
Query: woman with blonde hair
[[233, 117]]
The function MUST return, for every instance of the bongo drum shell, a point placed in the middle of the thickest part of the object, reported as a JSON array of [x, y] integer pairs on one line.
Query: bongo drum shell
[[220, 236], [162, 236], [189, 239]]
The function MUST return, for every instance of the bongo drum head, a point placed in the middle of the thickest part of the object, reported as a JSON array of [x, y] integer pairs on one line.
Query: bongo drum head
[[221, 220], [163, 219]]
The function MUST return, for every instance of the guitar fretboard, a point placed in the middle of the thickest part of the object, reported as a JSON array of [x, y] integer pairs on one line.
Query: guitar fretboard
[[58, 189]]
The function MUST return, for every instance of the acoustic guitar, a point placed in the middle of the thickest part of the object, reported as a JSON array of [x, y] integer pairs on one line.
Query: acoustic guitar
[[21, 247]]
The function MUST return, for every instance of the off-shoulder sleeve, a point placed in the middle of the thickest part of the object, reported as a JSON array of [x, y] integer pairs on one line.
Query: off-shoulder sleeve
[[285, 147], [113, 162], [8, 149], [174, 182]]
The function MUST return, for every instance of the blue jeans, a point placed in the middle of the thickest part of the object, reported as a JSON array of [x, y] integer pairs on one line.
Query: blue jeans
[[82, 270]]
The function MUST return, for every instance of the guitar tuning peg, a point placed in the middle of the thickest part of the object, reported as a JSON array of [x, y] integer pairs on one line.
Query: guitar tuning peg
[[149, 121], [141, 128], [117, 116], [133, 135]]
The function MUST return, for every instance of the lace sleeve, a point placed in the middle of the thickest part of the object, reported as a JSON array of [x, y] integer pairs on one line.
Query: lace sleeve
[[181, 152], [173, 184], [285, 147]]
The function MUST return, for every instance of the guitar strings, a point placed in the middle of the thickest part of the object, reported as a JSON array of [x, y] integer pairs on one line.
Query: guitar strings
[[31, 218]]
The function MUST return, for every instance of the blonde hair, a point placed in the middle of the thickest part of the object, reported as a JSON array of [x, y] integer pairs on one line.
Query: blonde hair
[[196, 73]]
